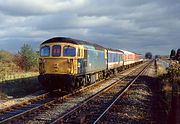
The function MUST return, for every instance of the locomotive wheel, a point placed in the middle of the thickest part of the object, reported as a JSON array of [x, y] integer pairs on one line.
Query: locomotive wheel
[[77, 83], [70, 89], [83, 81], [88, 79]]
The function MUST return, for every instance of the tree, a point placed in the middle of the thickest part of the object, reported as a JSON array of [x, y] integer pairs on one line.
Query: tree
[[148, 55], [27, 58], [157, 56], [178, 55], [173, 54]]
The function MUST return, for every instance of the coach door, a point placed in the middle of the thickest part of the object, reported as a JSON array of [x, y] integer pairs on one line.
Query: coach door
[[85, 59]]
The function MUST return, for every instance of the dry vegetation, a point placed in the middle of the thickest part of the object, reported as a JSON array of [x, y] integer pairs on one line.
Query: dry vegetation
[[10, 71], [15, 80], [170, 88], [12, 66], [169, 76]]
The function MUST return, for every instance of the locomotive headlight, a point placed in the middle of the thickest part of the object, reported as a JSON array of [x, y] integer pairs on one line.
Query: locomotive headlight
[[69, 70], [68, 60], [79, 64]]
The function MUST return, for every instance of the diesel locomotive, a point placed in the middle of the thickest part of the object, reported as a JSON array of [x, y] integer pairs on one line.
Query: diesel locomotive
[[67, 63]]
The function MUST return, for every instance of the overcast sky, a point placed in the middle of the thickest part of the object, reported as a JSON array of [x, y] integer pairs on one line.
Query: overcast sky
[[135, 25]]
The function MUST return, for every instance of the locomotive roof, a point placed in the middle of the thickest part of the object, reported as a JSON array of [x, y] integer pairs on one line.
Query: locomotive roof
[[73, 41]]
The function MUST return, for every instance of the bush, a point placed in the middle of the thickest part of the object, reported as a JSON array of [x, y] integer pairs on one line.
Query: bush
[[174, 70], [173, 54], [178, 55], [26, 58]]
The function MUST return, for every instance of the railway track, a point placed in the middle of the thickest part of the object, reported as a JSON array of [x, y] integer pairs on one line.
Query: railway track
[[31, 108], [93, 109], [21, 109], [24, 102]]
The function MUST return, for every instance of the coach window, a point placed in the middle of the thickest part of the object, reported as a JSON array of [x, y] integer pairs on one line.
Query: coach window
[[69, 51], [56, 50], [45, 51], [109, 57]]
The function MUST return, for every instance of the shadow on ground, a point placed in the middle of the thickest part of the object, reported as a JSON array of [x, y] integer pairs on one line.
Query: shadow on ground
[[19, 87]]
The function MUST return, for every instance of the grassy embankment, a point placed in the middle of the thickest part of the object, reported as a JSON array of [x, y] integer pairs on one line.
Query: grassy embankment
[[9, 71], [14, 82]]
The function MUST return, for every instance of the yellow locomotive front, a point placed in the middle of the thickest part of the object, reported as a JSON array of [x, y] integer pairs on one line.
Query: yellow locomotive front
[[58, 64], [52, 61]]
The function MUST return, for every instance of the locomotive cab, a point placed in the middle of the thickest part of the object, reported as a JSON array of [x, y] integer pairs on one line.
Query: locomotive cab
[[59, 58], [59, 62]]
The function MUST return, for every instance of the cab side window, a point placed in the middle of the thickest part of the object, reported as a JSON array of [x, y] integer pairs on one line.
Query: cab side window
[[45, 51], [69, 51]]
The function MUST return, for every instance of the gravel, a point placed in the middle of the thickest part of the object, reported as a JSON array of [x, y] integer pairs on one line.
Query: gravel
[[7, 103], [140, 105]]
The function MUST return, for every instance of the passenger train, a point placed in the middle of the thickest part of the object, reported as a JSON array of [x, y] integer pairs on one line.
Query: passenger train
[[67, 63]]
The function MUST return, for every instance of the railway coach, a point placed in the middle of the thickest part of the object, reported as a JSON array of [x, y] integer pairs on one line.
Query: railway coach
[[131, 58], [115, 61]]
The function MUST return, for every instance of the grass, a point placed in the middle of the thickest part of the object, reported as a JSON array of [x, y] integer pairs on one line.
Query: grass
[[10, 71], [20, 75]]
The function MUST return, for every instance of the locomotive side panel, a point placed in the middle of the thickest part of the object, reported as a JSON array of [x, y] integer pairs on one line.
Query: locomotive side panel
[[95, 60]]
